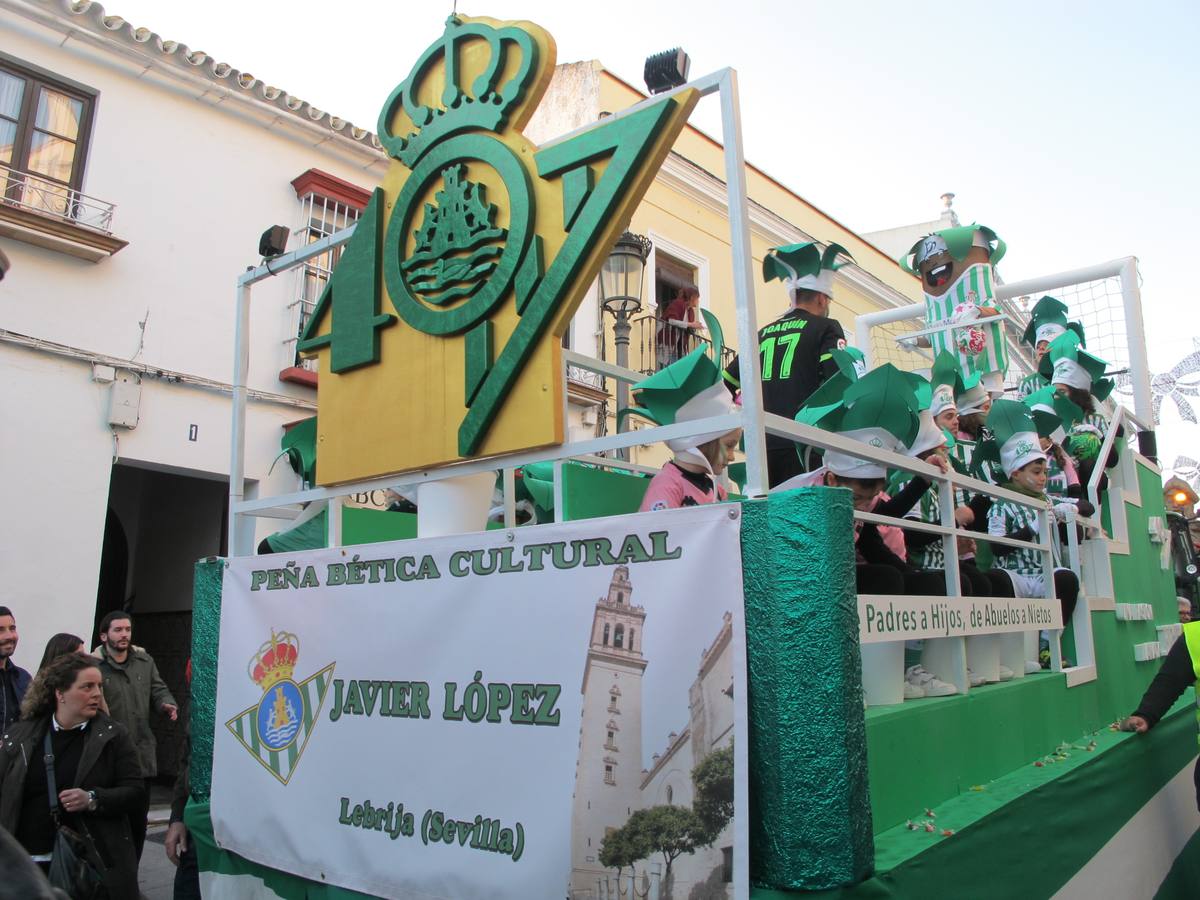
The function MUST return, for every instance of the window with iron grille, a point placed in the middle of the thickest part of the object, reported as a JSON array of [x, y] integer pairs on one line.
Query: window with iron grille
[[327, 205], [45, 124]]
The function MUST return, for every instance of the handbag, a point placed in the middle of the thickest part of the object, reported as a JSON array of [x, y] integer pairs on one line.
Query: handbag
[[75, 864]]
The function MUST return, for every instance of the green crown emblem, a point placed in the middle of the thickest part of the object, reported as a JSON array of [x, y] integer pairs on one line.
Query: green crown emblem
[[483, 104]]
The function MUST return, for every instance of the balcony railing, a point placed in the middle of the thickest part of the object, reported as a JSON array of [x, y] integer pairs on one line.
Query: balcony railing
[[657, 342], [23, 190]]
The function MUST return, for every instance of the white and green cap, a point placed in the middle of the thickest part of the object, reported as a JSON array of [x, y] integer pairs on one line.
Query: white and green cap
[[957, 241], [1053, 413], [1015, 442], [805, 267], [881, 409], [1066, 362], [944, 378], [688, 389], [970, 394], [1048, 320]]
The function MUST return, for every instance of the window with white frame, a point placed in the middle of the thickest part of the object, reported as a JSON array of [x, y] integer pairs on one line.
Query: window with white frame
[[327, 205]]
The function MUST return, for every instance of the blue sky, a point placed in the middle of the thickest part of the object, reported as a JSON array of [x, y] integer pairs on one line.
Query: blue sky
[[1069, 127]]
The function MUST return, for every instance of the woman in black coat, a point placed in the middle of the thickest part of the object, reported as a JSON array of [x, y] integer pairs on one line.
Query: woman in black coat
[[96, 770]]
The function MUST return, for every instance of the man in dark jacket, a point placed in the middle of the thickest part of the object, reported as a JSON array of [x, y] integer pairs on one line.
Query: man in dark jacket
[[13, 679], [132, 689], [1178, 673]]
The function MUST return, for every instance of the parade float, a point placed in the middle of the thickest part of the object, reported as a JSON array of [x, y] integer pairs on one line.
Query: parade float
[[619, 704]]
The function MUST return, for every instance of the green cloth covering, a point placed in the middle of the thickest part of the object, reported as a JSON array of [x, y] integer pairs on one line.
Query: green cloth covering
[[206, 641], [212, 858], [810, 821], [1035, 827], [300, 444]]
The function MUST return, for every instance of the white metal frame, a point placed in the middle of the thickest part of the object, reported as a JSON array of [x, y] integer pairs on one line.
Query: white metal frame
[[751, 417], [1131, 297], [243, 510]]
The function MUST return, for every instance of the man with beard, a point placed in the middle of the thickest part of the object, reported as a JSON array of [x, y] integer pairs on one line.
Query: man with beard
[[132, 688], [13, 679]]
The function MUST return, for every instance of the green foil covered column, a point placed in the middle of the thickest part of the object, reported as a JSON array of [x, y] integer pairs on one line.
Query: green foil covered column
[[206, 635], [810, 814]]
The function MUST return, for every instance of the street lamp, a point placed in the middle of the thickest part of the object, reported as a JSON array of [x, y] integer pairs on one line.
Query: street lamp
[[621, 296]]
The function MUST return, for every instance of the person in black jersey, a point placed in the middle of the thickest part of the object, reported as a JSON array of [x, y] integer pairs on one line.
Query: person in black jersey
[[795, 351]]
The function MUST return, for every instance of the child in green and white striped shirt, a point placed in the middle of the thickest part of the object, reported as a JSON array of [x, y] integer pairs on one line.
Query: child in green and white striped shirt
[[1024, 462]]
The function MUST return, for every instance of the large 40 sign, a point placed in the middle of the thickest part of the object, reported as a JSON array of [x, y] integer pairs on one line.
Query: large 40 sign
[[478, 247]]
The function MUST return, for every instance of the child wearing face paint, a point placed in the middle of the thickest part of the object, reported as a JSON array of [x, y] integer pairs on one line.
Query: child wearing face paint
[[1024, 463], [1047, 320], [685, 391], [956, 268]]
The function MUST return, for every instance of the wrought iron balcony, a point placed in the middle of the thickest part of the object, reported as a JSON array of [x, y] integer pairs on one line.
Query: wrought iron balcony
[[24, 190], [47, 214], [657, 342]]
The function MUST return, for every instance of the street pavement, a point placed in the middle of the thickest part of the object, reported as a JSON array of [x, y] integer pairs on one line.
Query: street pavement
[[156, 875]]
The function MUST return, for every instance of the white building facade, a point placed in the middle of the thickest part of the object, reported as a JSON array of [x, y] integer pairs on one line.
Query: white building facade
[[139, 176]]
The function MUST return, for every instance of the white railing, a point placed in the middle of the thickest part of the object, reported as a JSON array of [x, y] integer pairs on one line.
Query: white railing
[[751, 416], [1114, 323], [23, 190]]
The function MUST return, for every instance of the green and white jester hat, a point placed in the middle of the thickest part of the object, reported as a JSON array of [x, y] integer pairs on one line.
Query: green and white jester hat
[[1014, 436], [689, 389], [971, 395], [1047, 320], [1053, 413], [956, 241], [880, 409], [944, 379], [930, 435], [1066, 362], [805, 267]]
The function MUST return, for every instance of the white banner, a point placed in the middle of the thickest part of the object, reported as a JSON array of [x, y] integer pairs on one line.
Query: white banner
[[470, 716], [883, 617]]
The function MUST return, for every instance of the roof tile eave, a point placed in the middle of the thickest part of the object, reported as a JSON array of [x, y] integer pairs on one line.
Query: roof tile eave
[[91, 18]]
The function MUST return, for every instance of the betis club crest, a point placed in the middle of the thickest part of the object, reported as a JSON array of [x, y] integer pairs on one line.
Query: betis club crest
[[439, 332], [277, 729]]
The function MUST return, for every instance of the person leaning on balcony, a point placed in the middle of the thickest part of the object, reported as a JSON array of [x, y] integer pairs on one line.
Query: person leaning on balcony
[[681, 320], [687, 391], [1179, 671], [796, 349]]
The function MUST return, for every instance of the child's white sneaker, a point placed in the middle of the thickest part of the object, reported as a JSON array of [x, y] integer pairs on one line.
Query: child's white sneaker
[[912, 692], [927, 682]]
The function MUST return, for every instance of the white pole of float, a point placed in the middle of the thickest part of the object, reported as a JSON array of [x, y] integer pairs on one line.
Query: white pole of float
[[241, 528], [743, 288], [1135, 333], [454, 505]]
